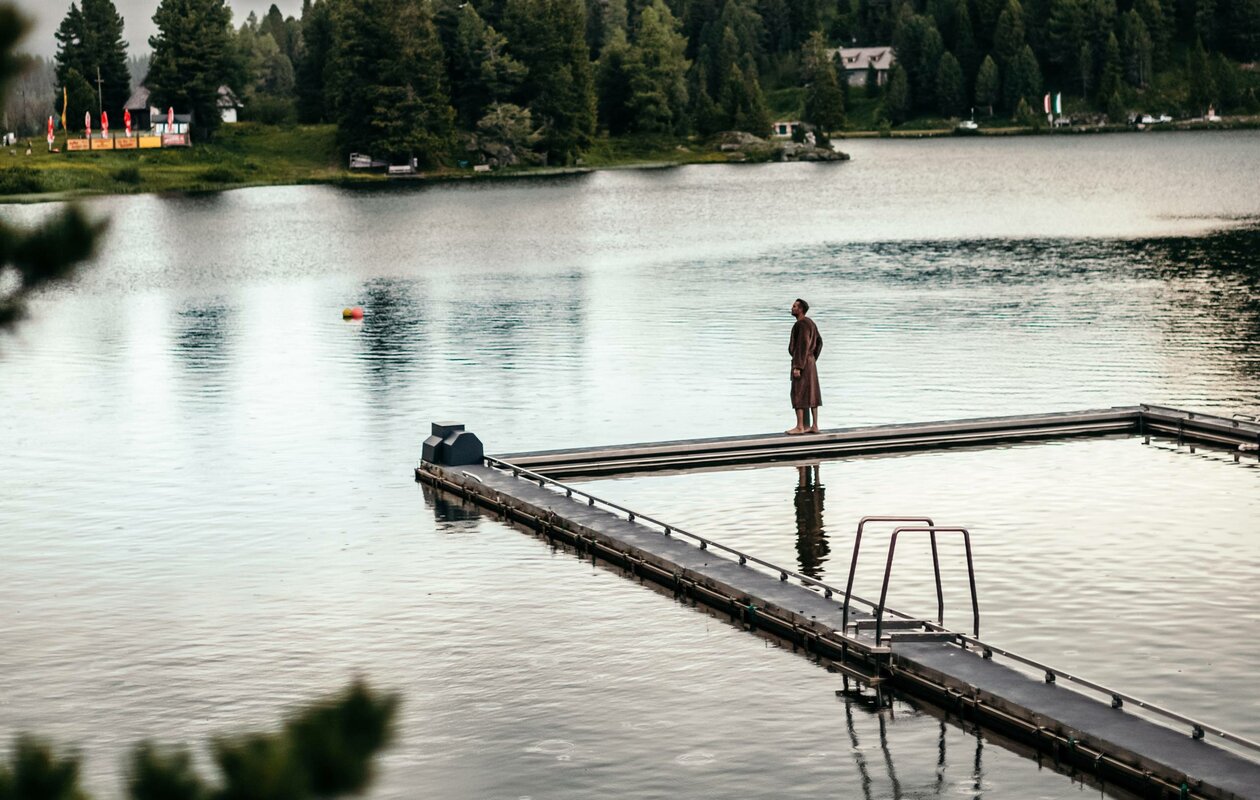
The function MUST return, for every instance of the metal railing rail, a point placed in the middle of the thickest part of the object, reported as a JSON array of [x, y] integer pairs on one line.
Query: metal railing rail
[[672, 530], [1118, 699], [931, 530], [1051, 674]]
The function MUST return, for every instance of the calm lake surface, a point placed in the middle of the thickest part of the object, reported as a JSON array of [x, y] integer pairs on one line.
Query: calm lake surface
[[208, 515]]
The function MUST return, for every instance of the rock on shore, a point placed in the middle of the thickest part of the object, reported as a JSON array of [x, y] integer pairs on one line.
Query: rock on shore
[[740, 146]]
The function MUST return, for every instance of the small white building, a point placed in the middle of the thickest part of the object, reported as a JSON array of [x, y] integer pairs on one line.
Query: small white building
[[229, 105], [856, 61], [784, 129]]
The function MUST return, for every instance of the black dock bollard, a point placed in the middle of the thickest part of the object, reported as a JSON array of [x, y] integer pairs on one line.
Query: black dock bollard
[[449, 445]]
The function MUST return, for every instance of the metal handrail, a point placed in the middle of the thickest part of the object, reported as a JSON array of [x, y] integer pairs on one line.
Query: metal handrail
[[671, 530], [1118, 699], [931, 530], [857, 544]]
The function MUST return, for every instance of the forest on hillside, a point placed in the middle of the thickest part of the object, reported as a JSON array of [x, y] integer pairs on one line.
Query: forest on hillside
[[539, 79]]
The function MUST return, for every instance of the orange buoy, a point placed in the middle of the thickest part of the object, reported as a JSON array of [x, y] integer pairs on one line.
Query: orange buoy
[[357, 312]]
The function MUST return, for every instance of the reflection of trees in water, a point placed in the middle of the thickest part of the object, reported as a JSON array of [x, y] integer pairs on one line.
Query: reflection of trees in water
[[1222, 279], [1216, 275], [201, 341], [812, 547], [393, 337], [535, 322]]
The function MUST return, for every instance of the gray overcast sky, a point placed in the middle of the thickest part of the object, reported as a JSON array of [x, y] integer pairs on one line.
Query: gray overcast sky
[[138, 15]]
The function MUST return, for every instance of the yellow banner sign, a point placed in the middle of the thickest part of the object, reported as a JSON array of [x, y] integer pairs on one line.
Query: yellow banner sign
[[124, 144], [78, 144], [148, 142], [102, 144]]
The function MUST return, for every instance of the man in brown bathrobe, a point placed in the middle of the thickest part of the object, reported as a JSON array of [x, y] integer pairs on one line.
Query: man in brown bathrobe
[[804, 346]]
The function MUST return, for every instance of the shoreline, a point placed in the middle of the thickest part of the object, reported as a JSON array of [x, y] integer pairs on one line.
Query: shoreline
[[172, 169]]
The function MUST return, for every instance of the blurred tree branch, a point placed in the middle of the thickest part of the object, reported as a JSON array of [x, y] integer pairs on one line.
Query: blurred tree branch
[[324, 750], [32, 259]]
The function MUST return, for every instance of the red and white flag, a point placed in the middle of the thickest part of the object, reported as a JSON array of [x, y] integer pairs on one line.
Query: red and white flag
[[127, 122], [170, 119], [87, 123], [105, 124], [50, 131], [1047, 104]]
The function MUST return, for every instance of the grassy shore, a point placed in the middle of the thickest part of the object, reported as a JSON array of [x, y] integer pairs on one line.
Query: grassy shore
[[257, 155], [242, 155]]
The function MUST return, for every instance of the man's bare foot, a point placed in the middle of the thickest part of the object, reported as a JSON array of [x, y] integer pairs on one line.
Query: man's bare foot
[[796, 431], [813, 429]]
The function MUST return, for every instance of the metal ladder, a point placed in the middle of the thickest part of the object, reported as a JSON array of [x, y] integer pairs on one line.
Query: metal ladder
[[912, 628]]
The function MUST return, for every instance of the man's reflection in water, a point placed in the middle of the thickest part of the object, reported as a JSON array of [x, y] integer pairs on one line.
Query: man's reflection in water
[[811, 540]]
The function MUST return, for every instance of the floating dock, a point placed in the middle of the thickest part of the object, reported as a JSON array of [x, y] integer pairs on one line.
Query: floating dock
[[1240, 435], [1120, 739]]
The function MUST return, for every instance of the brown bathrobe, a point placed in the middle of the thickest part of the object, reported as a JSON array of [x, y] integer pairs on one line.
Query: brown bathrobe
[[804, 346]]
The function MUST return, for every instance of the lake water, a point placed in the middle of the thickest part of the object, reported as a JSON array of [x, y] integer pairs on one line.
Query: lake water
[[208, 513]]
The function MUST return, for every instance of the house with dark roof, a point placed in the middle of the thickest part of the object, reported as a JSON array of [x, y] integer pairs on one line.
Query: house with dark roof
[[857, 61], [145, 116]]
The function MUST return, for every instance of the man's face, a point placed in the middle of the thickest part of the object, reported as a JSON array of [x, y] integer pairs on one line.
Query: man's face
[[796, 309]]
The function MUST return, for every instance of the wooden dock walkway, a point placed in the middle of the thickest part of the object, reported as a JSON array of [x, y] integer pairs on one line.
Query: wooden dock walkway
[[689, 454], [1153, 752]]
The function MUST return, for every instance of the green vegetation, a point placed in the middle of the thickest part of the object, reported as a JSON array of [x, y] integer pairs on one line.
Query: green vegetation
[[322, 751], [514, 84], [193, 56], [249, 154]]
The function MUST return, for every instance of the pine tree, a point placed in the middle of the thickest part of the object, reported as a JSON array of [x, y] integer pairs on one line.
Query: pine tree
[[898, 103], [1065, 35], [950, 95], [919, 47], [79, 98], [1202, 89], [1008, 36], [1085, 68], [548, 37], [1160, 28], [612, 81], [742, 104], [388, 81], [1023, 80], [753, 116], [985, 18], [1244, 29], [312, 103], [192, 55], [706, 117], [1109, 80], [963, 45], [1117, 114], [481, 70], [824, 99], [89, 40], [1205, 21], [1137, 47], [279, 29], [988, 84], [1225, 78], [657, 70]]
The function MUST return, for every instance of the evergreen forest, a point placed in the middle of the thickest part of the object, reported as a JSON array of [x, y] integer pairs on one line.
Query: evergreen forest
[[537, 81]]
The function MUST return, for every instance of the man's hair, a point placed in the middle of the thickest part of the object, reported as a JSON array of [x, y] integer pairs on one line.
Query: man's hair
[[804, 305]]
